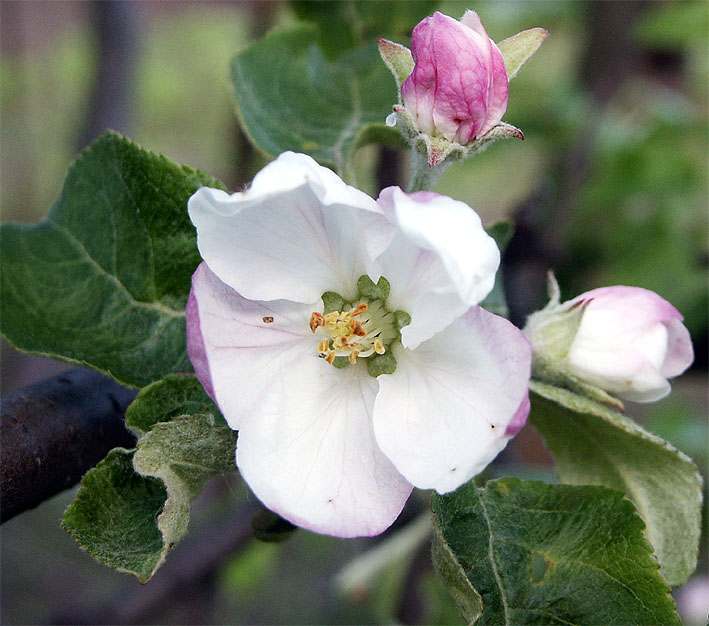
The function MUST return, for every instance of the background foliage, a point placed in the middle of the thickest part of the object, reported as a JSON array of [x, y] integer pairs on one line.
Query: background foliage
[[609, 187]]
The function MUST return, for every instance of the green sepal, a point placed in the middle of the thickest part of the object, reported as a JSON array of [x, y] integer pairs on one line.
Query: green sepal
[[398, 59], [366, 289], [378, 364], [332, 302], [401, 319], [519, 48]]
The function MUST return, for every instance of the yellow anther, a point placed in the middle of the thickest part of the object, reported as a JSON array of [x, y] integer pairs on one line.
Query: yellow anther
[[324, 346], [379, 347], [331, 319], [316, 320], [352, 357], [330, 357]]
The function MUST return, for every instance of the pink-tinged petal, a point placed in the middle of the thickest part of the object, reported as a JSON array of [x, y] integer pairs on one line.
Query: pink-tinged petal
[[309, 453], [462, 79], [498, 92], [290, 235], [440, 263], [629, 342], [418, 91], [519, 419], [239, 346], [680, 353], [453, 403]]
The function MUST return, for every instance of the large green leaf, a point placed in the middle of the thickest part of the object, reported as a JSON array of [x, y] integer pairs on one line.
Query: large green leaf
[[167, 398], [104, 279], [595, 445], [133, 507], [291, 98], [549, 554]]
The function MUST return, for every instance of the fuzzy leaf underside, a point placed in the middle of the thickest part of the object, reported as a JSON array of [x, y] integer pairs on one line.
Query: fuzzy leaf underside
[[133, 507], [593, 444], [103, 280], [597, 567]]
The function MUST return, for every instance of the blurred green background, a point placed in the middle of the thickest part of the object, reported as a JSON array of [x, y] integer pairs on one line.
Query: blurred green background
[[609, 187]]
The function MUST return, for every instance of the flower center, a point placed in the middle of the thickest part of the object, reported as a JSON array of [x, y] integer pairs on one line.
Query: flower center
[[365, 329]]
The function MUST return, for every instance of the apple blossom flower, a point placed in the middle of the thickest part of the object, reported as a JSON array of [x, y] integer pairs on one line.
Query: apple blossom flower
[[458, 87], [624, 340], [340, 336]]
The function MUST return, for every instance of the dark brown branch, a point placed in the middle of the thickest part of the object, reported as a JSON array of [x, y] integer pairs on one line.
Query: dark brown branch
[[53, 432]]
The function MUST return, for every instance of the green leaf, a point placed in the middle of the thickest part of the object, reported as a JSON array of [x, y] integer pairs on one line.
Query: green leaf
[[595, 445], [172, 396], [596, 565], [104, 279], [133, 507], [291, 98], [495, 302], [184, 454], [113, 515], [519, 48]]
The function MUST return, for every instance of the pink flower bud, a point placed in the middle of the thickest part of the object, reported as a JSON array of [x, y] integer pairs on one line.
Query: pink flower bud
[[625, 340], [458, 88]]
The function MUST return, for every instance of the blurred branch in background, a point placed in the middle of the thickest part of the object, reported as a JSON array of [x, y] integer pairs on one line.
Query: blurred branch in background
[[53, 432], [116, 26]]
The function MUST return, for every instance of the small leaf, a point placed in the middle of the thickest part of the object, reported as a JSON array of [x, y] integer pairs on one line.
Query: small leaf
[[133, 507], [519, 48], [291, 98], [600, 566], [104, 279], [113, 515], [172, 396], [184, 454], [595, 445]]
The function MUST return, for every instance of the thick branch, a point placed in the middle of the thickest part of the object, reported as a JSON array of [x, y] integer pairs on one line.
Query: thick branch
[[53, 432]]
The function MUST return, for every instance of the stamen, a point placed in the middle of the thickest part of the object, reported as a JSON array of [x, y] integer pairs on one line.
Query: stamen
[[359, 309], [316, 320], [365, 329], [324, 346]]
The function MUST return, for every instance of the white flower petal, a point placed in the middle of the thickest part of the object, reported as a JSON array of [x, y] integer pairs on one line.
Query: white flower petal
[[309, 453], [238, 346], [440, 263], [453, 403], [297, 232]]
